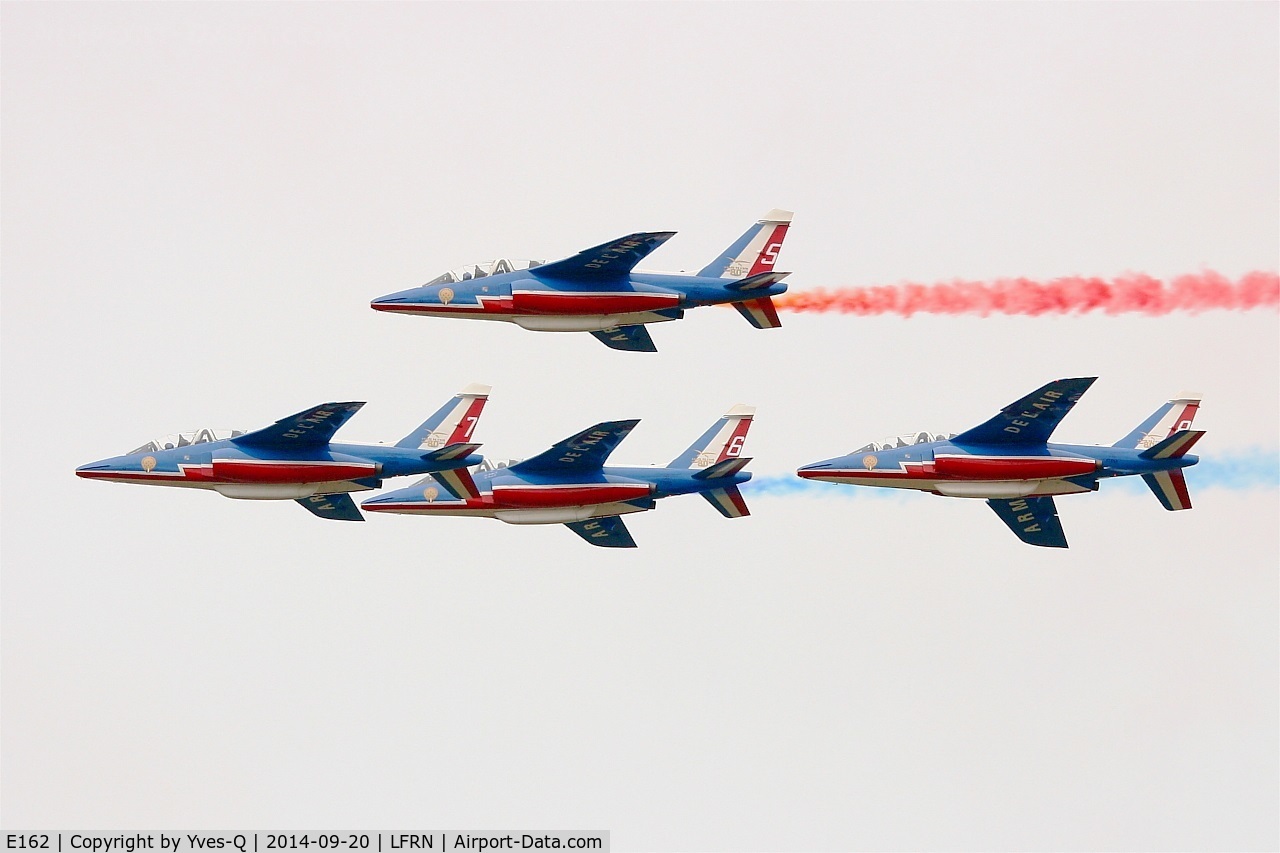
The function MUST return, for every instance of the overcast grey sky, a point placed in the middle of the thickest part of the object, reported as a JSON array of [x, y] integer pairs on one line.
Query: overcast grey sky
[[200, 199]]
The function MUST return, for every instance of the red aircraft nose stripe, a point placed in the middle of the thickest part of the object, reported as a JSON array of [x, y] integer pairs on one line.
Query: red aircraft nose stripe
[[141, 476]]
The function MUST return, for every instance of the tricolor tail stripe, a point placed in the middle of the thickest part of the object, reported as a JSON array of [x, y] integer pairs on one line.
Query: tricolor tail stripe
[[1170, 488], [453, 451], [722, 441], [466, 421], [755, 251], [757, 281], [458, 483], [760, 313], [728, 501], [767, 244], [1175, 446], [453, 422], [730, 445], [727, 468]]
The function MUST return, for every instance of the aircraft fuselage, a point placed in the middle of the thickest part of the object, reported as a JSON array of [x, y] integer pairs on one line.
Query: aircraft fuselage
[[558, 305], [533, 499], [993, 472], [265, 474]]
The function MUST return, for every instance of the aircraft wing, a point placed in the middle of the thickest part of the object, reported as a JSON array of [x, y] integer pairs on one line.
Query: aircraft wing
[[583, 453], [629, 338], [313, 428], [339, 507], [1033, 520], [608, 532], [1032, 419], [607, 261]]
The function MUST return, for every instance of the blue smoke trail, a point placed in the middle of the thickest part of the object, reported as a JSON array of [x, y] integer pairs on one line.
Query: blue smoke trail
[[1257, 470], [1237, 472]]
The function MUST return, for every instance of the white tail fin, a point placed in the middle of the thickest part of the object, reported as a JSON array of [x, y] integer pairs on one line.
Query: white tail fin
[[756, 251], [453, 423], [1175, 415], [723, 441]]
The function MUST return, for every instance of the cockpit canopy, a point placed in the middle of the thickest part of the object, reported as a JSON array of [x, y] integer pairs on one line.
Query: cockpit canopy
[[494, 464], [905, 440], [483, 270], [183, 439]]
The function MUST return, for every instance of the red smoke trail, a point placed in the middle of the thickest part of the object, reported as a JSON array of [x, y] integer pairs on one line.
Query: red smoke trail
[[1129, 293]]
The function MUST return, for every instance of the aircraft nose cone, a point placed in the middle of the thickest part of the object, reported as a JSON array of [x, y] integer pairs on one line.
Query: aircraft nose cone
[[390, 301], [86, 471], [373, 503], [384, 303], [809, 472]]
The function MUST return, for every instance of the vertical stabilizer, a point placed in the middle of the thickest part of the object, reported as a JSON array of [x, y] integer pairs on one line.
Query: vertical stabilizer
[[723, 441], [1177, 414], [453, 423], [756, 251]]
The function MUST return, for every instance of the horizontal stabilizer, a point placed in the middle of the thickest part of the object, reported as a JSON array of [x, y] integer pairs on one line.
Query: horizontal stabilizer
[[451, 453], [726, 468], [586, 451], [755, 282], [760, 313], [611, 260], [458, 483], [607, 532], [727, 501], [313, 428], [339, 507], [1170, 489], [627, 338], [1175, 446], [1033, 520], [1031, 420]]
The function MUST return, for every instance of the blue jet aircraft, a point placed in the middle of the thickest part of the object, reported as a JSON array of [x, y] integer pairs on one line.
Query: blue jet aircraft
[[295, 459], [569, 484], [600, 291], [1008, 461]]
